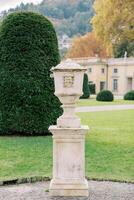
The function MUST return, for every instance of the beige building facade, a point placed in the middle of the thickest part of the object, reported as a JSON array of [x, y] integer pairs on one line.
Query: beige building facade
[[114, 74]]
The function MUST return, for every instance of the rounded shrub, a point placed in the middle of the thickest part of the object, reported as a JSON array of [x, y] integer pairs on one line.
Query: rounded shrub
[[28, 50], [86, 92], [105, 95], [129, 95]]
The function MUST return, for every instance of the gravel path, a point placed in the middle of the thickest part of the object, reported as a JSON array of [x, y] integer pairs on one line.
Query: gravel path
[[98, 191], [104, 108]]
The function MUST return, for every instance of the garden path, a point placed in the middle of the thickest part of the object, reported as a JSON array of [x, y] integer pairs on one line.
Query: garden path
[[97, 190], [104, 108]]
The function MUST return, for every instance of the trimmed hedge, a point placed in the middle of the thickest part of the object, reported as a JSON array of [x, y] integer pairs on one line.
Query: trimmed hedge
[[105, 95], [86, 92], [28, 50], [129, 95]]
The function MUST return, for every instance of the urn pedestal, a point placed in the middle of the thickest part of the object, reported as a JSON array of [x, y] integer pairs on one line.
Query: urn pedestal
[[69, 162], [69, 134]]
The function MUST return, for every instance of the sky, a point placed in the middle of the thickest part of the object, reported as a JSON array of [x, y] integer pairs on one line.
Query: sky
[[6, 4]]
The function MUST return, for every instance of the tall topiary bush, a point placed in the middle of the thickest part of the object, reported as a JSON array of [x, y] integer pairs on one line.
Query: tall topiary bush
[[28, 50], [86, 92]]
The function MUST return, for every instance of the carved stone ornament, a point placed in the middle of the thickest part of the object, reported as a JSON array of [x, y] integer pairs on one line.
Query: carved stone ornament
[[68, 81], [68, 134]]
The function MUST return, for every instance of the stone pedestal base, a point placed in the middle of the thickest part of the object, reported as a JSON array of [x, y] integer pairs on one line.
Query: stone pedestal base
[[68, 162], [69, 189]]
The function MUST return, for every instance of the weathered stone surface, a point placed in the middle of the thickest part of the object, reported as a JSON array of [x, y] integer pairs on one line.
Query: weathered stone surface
[[68, 78], [69, 162], [68, 135]]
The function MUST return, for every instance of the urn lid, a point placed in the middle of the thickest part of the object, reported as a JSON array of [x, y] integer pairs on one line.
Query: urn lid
[[68, 65]]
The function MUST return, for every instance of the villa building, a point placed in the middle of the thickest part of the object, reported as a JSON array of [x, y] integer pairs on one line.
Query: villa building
[[64, 42], [114, 74]]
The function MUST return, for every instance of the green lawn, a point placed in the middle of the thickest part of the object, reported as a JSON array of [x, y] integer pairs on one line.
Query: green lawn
[[109, 149], [93, 102]]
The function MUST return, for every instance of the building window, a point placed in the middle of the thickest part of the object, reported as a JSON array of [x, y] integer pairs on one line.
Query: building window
[[90, 70], [102, 85], [115, 70], [115, 84], [102, 70]]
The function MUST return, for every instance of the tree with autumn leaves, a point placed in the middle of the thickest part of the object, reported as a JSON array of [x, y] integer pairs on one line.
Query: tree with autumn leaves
[[87, 46], [113, 24], [113, 31]]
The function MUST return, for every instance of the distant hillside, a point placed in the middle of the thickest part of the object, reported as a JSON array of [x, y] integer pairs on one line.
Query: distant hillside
[[71, 17]]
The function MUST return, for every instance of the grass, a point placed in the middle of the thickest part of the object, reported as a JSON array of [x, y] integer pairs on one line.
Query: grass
[[25, 157], [110, 145], [93, 102], [109, 149]]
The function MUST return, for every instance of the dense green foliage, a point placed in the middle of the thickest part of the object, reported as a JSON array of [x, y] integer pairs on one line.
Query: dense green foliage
[[70, 17], [105, 95], [86, 92], [129, 95], [28, 50], [125, 46]]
